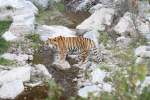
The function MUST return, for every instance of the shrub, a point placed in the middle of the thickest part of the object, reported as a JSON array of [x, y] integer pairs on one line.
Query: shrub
[[4, 25], [4, 45], [6, 62]]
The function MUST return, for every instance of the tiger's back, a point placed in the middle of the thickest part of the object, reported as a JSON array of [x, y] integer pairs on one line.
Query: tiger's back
[[66, 45]]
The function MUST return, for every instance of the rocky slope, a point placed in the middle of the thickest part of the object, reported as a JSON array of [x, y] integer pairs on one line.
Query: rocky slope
[[119, 28]]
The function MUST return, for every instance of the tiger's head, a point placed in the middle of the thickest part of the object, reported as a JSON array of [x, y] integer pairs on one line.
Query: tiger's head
[[52, 42]]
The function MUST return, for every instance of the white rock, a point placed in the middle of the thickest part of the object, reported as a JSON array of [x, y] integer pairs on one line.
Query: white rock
[[128, 23], [107, 87], [19, 57], [146, 82], [23, 23], [142, 51], [123, 41], [144, 8], [20, 73], [21, 12], [41, 3], [11, 89], [143, 27], [34, 84], [98, 75], [98, 20], [140, 60], [43, 70], [62, 65], [54, 31], [83, 4], [83, 92], [95, 8], [18, 5], [125, 24], [8, 36]]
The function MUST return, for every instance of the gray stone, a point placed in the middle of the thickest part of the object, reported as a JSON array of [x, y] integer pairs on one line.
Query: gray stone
[[11, 89], [43, 70], [83, 92], [20, 73], [43, 4], [8, 36], [54, 31], [98, 20]]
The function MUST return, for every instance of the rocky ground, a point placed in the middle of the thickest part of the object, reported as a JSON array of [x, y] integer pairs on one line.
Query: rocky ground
[[120, 29]]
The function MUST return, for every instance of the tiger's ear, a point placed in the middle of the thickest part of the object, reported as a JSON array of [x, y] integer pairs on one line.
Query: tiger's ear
[[60, 36]]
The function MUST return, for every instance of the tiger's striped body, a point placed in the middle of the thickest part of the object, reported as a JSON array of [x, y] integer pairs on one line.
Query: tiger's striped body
[[67, 45]]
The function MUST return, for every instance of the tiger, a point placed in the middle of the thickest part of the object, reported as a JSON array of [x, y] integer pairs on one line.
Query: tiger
[[79, 44]]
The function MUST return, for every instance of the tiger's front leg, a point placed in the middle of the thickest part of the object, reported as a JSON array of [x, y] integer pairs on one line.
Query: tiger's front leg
[[84, 55], [63, 54], [83, 59]]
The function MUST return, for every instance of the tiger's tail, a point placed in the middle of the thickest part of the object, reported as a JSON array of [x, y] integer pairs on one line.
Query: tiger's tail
[[97, 56]]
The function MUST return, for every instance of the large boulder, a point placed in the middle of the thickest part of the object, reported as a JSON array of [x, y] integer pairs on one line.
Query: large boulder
[[21, 12], [125, 24], [43, 71], [17, 57], [98, 20], [129, 23], [19, 73], [11, 89], [53, 31], [42, 4]]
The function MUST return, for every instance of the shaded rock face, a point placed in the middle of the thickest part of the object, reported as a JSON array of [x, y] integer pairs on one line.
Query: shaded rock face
[[64, 77], [77, 5]]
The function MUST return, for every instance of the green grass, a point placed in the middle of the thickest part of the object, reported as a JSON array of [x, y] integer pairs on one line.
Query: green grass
[[55, 91], [4, 25], [104, 38], [34, 37], [6, 62], [4, 45], [60, 7]]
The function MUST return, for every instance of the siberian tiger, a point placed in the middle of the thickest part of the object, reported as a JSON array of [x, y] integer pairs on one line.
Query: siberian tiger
[[66, 45]]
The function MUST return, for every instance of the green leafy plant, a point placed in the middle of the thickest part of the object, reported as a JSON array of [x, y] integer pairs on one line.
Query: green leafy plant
[[104, 38], [60, 7], [34, 37], [4, 45], [55, 91], [145, 94], [4, 25], [6, 62]]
